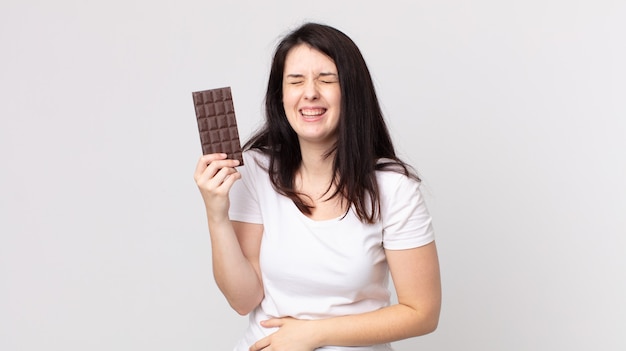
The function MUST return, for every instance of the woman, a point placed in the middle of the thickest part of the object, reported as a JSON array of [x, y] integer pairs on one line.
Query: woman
[[305, 234]]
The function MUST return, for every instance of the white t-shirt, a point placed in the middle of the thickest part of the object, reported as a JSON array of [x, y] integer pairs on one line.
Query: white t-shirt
[[319, 269]]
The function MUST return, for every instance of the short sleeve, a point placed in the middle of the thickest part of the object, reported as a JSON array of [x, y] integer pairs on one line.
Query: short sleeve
[[244, 198], [406, 221]]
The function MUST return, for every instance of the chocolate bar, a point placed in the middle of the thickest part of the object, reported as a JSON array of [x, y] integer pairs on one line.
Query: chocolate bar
[[217, 124]]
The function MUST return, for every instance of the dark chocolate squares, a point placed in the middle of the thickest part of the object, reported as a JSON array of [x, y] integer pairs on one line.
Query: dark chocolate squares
[[217, 124]]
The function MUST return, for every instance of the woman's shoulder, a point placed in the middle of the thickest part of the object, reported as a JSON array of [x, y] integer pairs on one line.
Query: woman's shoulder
[[393, 169], [394, 177]]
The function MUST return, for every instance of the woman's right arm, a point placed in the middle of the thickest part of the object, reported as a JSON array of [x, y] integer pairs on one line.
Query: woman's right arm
[[235, 246]]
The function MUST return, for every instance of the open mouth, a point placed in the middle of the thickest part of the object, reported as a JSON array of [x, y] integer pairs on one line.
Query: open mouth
[[312, 112]]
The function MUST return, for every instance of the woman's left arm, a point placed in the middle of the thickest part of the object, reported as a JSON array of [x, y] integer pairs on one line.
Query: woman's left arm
[[415, 273]]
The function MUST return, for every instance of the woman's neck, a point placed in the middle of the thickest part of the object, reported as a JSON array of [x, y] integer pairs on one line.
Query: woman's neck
[[316, 173]]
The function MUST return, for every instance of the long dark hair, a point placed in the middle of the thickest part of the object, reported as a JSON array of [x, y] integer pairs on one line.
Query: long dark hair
[[363, 138]]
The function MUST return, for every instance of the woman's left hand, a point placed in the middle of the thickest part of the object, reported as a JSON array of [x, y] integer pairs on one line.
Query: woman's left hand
[[292, 335]]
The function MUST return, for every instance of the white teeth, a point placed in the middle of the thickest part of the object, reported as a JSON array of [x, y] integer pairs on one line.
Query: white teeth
[[313, 112]]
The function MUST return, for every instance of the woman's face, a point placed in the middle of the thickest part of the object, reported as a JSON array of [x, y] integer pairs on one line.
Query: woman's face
[[312, 95]]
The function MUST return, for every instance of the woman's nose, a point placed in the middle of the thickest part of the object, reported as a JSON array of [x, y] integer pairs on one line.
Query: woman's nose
[[310, 90]]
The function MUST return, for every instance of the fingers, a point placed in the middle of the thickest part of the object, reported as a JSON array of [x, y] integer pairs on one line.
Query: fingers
[[260, 344], [215, 175], [266, 341], [224, 178], [205, 161], [272, 323], [210, 165]]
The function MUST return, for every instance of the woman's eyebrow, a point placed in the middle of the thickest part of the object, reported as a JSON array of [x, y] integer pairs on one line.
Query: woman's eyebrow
[[327, 74], [295, 75], [322, 74]]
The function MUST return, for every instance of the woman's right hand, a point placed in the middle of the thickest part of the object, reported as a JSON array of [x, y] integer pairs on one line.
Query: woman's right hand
[[215, 175]]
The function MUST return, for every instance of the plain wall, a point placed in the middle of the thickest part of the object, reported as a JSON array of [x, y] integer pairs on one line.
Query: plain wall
[[512, 111]]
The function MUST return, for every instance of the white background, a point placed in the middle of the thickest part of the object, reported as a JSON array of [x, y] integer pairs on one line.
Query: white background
[[513, 112]]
